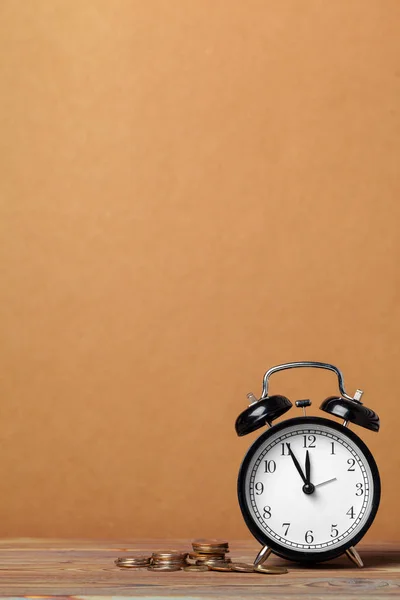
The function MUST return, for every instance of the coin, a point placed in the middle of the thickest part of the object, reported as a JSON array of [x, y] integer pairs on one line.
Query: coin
[[172, 560], [209, 542], [164, 568], [205, 555], [225, 567], [242, 567], [132, 562], [198, 568], [137, 558], [211, 549], [270, 570], [169, 554], [132, 565], [213, 561]]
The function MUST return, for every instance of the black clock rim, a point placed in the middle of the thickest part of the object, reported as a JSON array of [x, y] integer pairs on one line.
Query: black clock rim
[[265, 540]]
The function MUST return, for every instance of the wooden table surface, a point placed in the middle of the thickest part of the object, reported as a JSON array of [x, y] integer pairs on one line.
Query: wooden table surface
[[85, 568]]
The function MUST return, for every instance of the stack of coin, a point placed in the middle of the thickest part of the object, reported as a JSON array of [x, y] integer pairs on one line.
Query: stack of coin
[[211, 553], [133, 562], [167, 560], [207, 555]]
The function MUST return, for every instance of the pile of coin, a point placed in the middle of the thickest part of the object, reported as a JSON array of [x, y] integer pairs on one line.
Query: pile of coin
[[133, 562], [167, 560], [211, 554], [207, 555]]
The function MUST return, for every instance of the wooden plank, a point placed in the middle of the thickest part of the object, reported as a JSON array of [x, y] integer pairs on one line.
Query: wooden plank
[[65, 568]]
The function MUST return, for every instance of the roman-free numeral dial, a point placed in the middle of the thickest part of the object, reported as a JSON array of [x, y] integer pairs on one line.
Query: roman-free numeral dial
[[308, 487]]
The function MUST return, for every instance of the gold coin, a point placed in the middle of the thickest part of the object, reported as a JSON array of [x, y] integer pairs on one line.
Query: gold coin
[[164, 568], [206, 556], [132, 565], [270, 570], [133, 558], [198, 568], [168, 560], [169, 554], [225, 567], [210, 550], [209, 557], [242, 567], [210, 542], [132, 562], [172, 557], [213, 561]]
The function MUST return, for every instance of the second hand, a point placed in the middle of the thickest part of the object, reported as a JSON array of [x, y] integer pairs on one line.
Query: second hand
[[324, 482]]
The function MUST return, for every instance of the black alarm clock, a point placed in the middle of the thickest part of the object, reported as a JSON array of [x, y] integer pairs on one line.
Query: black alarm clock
[[308, 487]]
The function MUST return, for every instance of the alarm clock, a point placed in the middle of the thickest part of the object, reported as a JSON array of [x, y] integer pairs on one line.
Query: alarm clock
[[308, 487]]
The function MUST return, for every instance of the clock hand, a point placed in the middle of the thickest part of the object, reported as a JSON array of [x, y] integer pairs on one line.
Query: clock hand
[[296, 464], [324, 482], [308, 467]]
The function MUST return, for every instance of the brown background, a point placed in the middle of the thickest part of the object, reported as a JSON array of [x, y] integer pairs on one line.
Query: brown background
[[191, 192]]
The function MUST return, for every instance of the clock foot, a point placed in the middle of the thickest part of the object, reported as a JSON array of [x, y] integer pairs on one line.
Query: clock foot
[[354, 557], [262, 556]]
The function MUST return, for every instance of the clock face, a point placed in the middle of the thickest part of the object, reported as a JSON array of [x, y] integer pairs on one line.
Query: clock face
[[309, 488]]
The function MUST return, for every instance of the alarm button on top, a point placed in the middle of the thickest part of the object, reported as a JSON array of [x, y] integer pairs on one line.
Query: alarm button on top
[[303, 403]]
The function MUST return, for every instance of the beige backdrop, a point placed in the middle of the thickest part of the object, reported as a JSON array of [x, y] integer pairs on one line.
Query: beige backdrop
[[191, 191]]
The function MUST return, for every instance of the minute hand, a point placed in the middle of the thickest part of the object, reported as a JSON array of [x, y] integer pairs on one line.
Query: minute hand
[[308, 467], [297, 465]]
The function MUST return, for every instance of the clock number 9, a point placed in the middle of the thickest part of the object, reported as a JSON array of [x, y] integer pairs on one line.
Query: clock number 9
[[309, 537], [259, 488]]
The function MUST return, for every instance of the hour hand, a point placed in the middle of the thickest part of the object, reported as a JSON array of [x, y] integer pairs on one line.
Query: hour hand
[[296, 464]]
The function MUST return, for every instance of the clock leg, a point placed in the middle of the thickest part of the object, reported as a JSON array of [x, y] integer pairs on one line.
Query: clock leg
[[354, 557], [262, 556]]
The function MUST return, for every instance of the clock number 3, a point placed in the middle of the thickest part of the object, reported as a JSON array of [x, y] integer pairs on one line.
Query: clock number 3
[[360, 489]]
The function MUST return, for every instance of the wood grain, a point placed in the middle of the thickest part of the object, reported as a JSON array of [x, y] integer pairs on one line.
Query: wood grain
[[65, 568]]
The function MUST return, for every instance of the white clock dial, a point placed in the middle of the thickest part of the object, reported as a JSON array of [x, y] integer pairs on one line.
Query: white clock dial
[[337, 505]]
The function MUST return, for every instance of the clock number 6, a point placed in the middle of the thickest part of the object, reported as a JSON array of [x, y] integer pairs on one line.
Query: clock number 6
[[309, 537]]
